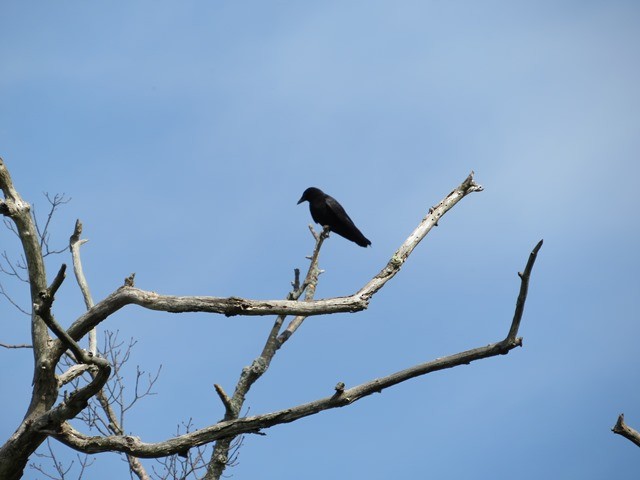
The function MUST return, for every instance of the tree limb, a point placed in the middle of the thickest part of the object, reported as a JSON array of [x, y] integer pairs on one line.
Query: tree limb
[[522, 296], [21, 345], [75, 242], [74, 246], [626, 431], [240, 306], [43, 419], [220, 457], [14, 453], [342, 397]]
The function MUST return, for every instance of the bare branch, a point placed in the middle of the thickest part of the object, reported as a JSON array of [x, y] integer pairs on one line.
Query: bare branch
[[44, 419], [74, 246], [225, 429], [296, 280], [181, 466], [20, 345], [626, 431], [107, 396], [11, 301], [8, 223], [309, 286], [43, 309], [15, 452], [79, 398], [230, 428], [55, 202], [421, 231], [18, 211], [59, 467], [221, 456], [226, 401], [72, 373], [240, 306], [522, 296], [63, 472], [12, 270]]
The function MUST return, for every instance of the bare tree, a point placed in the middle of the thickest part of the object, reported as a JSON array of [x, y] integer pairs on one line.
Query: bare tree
[[90, 371]]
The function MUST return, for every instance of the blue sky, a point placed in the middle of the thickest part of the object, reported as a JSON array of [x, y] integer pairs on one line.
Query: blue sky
[[185, 134]]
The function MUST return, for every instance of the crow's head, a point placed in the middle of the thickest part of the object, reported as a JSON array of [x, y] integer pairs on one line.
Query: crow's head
[[310, 194]]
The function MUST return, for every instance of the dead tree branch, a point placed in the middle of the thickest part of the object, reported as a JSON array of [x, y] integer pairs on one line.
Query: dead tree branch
[[20, 345], [240, 306], [43, 234], [239, 426], [522, 296], [45, 418], [342, 397], [221, 457], [626, 431], [15, 453], [74, 246]]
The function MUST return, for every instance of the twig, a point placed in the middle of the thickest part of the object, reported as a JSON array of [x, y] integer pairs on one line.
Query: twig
[[309, 286], [522, 296], [296, 281], [20, 345], [12, 269], [11, 301], [226, 401], [55, 202]]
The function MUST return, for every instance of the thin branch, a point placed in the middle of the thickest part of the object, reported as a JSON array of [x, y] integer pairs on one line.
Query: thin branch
[[11, 301], [107, 396], [4, 209], [74, 246], [59, 467], [225, 429], [20, 345], [522, 296], [428, 222], [626, 431], [220, 457], [55, 202], [309, 285], [12, 271], [181, 467], [43, 309]]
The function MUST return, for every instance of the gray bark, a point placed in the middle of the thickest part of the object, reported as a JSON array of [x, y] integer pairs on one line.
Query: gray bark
[[42, 419]]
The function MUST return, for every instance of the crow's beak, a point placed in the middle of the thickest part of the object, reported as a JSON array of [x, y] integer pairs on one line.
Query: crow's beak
[[300, 201]]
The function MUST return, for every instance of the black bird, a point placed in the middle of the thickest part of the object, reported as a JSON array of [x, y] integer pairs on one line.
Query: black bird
[[326, 211]]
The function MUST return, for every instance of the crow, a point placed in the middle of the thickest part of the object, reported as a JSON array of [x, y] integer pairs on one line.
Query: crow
[[326, 211]]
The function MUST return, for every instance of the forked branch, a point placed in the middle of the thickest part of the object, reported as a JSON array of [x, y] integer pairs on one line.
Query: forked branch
[[342, 397], [221, 455], [230, 306]]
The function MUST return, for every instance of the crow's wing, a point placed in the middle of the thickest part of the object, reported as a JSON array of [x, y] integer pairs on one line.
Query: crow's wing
[[338, 215], [341, 223]]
